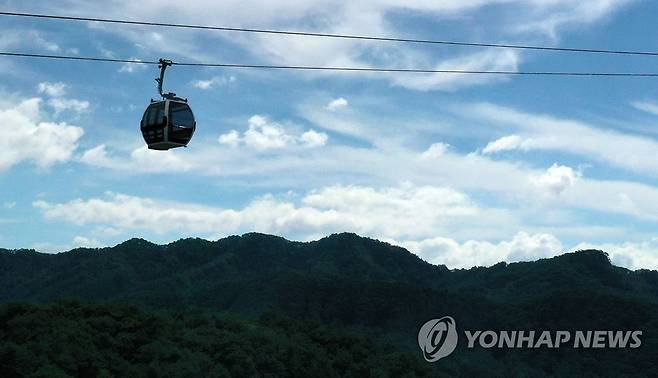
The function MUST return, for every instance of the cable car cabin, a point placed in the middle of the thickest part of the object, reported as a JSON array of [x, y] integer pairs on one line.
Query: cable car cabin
[[168, 124]]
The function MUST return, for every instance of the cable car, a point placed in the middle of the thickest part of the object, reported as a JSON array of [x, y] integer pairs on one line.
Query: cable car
[[167, 123]]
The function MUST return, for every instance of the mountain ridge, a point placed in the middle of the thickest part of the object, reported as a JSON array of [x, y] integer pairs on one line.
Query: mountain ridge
[[140, 242], [190, 269], [344, 280]]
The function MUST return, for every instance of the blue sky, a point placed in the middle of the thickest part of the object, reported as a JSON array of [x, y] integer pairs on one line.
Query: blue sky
[[462, 170]]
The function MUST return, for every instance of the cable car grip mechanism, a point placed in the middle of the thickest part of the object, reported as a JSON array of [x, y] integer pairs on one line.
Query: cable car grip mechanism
[[164, 63]]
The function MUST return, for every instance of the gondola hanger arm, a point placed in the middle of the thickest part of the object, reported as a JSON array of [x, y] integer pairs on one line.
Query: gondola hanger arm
[[164, 63]]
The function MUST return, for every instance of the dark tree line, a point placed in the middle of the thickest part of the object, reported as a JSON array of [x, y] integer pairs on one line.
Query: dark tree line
[[369, 289], [70, 338]]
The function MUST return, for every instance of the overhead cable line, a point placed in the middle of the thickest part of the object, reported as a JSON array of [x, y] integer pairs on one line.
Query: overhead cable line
[[331, 68], [331, 35], [68, 57]]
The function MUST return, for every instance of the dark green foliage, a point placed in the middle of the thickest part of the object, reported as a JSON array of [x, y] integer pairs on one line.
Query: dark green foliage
[[373, 288], [88, 340]]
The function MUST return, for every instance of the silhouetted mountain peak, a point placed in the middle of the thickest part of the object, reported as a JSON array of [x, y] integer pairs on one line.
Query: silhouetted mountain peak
[[187, 242], [596, 254], [358, 243], [347, 236], [588, 258], [135, 242], [260, 238]]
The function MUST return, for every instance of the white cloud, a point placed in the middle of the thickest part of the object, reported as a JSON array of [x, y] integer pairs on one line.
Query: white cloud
[[28, 138], [435, 151], [231, 139], [646, 106], [416, 217], [540, 132], [97, 156], [133, 67], [56, 92], [638, 255], [9, 205], [82, 241], [523, 247], [263, 134], [392, 212], [77, 242], [63, 104], [52, 89], [313, 139], [157, 162], [48, 45], [140, 160], [493, 60], [509, 20], [396, 214], [509, 183], [408, 215], [557, 179], [336, 104], [511, 142], [628, 198], [386, 160], [214, 82], [26, 37], [561, 13]]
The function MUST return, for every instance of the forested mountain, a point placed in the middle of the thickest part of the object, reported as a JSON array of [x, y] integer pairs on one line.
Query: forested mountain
[[365, 287], [71, 338]]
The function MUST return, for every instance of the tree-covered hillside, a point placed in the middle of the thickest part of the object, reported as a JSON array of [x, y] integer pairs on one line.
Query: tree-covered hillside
[[74, 339], [369, 287]]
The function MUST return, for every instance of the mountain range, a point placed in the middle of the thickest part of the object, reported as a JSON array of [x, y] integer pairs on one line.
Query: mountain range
[[367, 287]]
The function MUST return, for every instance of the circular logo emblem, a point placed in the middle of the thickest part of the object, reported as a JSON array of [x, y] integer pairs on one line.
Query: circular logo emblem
[[438, 338]]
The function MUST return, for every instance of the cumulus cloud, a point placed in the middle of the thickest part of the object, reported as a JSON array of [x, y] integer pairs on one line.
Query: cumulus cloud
[[313, 138], [386, 159], [29, 138], [63, 104], [263, 134], [407, 215], [231, 139], [557, 179], [52, 89], [523, 247], [336, 104], [424, 219], [392, 212], [56, 92], [214, 82]]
